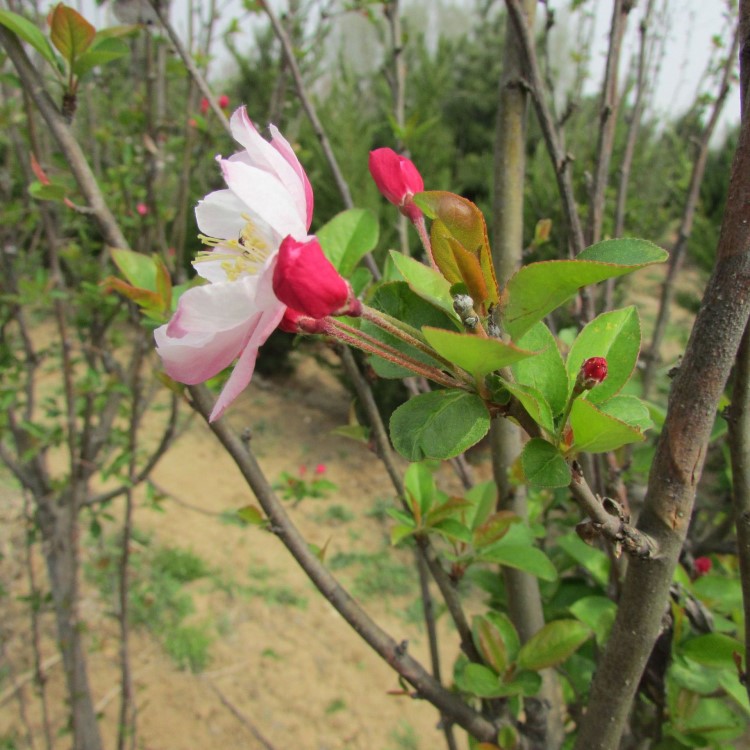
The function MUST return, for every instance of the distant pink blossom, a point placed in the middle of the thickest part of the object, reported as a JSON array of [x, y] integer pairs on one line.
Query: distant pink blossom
[[205, 105], [702, 565], [397, 179], [320, 469], [223, 101], [142, 209]]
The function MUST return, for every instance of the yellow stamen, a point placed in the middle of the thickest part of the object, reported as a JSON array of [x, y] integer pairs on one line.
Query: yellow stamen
[[245, 255]]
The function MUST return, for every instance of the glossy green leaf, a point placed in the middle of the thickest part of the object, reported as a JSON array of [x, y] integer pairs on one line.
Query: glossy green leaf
[[539, 288], [545, 371], [425, 281], [401, 532], [553, 644], [628, 409], [517, 549], [439, 424], [534, 403], [454, 508], [399, 301], [481, 681], [509, 633], [712, 649], [735, 690], [494, 528], [597, 432], [616, 336], [101, 52], [348, 237], [30, 33], [475, 354], [598, 613], [543, 465], [70, 32], [453, 530], [489, 641], [252, 515], [483, 498], [524, 682], [590, 558]]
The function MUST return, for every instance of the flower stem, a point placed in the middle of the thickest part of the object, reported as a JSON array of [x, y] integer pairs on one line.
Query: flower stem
[[421, 227]]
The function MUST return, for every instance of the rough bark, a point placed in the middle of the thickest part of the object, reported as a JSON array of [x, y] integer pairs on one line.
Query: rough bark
[[678, 462]]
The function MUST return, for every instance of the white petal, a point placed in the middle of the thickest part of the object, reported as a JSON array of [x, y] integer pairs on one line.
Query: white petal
[[265, 199], [219, 215]]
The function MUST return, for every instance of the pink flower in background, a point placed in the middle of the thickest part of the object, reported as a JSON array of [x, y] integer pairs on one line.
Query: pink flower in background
[[305, 280], [223, 101], [703, 565], [268, 198], [397, 179], [205, 105], [142, 209], [320, 469]]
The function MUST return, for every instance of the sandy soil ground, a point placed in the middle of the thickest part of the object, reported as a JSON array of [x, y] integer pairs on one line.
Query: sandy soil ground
[[284, 671]]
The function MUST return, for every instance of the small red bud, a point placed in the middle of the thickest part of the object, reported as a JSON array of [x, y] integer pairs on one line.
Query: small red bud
[[702, 565], [397, 179], [223, 101], [205, 105], [593, 371]]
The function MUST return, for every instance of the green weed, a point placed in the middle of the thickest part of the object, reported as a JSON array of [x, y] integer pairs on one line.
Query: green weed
[[379, 573], [188, 645]]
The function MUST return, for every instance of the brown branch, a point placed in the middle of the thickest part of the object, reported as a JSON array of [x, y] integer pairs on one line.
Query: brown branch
[[392, 652], [678, 462]]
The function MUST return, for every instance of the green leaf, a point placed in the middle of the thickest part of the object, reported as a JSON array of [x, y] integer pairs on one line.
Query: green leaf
[[397, 300], [616, 336], [401, 532], [101, 52], [483, 497], [30, 33], [546, 371], [535, 404], [419, 485], [524, 682], [489, 641], [553, 644], [70, 32], [253, 515], [597, 432], [452, 530], [348, 237], [494, 528], [49, 192], [590, 558], [712, 649], [517, 550], [439, 424], [481, 681], [628, 409], [539, 288], [598, 613], [543, 465], [139, 269], [426, 282], [475, 354]]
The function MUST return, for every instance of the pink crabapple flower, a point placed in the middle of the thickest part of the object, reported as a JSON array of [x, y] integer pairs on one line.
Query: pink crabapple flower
[[397, 179], [268, 198], [142, 209], [305, 280], [320, 469]]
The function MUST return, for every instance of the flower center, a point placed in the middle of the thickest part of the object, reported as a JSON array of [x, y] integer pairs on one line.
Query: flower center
[[245, 255]]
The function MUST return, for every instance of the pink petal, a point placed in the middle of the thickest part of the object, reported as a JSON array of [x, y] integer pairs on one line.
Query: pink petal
[[219, 215], [282, 146]]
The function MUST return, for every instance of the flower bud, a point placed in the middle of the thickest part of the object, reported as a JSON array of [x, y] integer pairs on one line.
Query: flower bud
[[305, 280], [592, 372], [397, 179], [294, 322], [223, 101], [702, 565]]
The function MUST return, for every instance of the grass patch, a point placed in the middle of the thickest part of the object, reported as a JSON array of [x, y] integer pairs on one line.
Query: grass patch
[[334, 515], [378, 573], [157, 599], [404, 737]]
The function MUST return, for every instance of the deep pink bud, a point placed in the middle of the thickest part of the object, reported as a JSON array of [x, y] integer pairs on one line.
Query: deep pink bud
[[305, 280], [702, 565], [397, 179], [592, 372], [321, 469], [223, 101], [204, 105], [142, 209]]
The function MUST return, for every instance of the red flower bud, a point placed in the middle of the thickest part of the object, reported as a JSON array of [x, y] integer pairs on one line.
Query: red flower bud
[[305, 280], [223, 101], [397, 179], [592, 372], [702, 565], [204, 105]]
